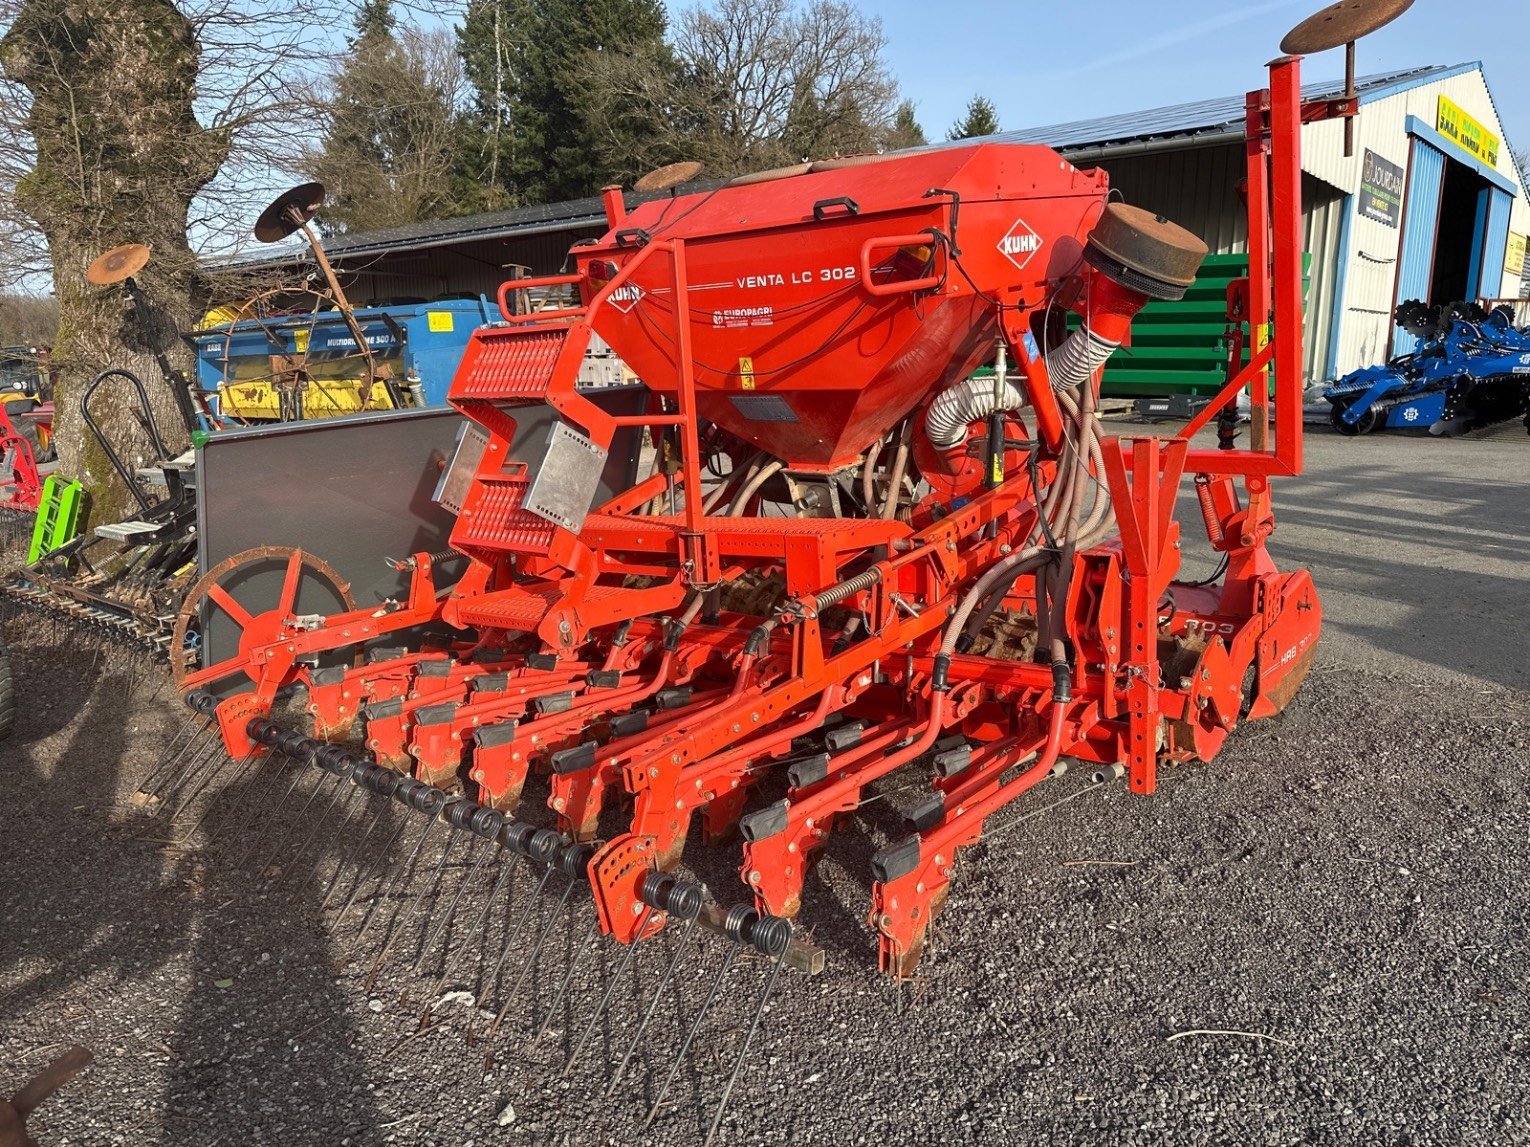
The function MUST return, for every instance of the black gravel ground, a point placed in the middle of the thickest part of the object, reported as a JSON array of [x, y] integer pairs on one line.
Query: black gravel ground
[[1320, 938]]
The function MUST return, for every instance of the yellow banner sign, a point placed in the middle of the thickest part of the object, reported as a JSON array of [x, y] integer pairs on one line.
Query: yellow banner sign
[[1514, 260], [1469, 135]]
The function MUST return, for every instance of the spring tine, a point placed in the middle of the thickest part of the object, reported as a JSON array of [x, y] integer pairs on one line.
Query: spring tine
[[506, 872], [610, 991], [568, 975], [244, 766], [515, 933], [278, 760], [297, 817], [192, 752], [722, 1104], [352, 853], [404, 872], [653, 1005], [361, 865], [195, 727], [298, 773], [690, 1036], [351, 792], [480, 858], [205, 763], [421, 899], [536, 951], [206, 780]]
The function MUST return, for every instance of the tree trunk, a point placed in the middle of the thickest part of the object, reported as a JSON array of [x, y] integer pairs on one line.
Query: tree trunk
[[119, 158]]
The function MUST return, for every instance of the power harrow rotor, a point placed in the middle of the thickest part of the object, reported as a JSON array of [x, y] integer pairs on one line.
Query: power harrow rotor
[[897, 568]]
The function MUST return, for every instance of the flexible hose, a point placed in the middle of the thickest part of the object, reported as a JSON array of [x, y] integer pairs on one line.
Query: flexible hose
[[967, 402], [732, 482], [767, 472], [900, 464]]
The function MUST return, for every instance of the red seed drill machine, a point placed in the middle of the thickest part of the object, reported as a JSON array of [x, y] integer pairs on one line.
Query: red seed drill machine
[[895, 564]]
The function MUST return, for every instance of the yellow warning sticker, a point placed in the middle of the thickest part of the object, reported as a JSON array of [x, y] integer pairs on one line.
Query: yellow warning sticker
[[746, 373], [439, 321], [300, 341]]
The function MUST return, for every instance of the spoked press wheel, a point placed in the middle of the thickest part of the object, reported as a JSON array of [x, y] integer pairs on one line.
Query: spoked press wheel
[[246, 601]]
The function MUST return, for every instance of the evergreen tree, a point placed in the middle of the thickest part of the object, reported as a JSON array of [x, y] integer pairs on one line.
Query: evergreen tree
[[905, 130], [391, 127], [981, 118], [531, 64]]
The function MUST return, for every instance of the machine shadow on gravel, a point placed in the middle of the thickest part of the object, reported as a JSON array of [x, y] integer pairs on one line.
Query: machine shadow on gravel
[[100, 898], [66, 920], [267, 1042]]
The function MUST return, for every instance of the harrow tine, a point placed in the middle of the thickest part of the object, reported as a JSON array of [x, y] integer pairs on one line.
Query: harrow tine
[[298, 773], [195, 725], [568, 975], [520, 925], [690, 911], [690, 1036], [203, 760], [352, 854], [605, 999], [148, 789], [244, 767], [571, 862], [207, 779], [405, 871], [361, 877], [744, 926], [480, 854], [523, 841], [775, 945], [421, 898], [506, 873], [329, 767], [322, 819]]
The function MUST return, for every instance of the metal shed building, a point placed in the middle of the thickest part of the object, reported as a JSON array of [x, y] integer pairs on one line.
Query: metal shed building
[[1428, 205]]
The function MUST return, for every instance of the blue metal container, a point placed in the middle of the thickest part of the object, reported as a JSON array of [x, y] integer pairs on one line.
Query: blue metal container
[[247, 362]]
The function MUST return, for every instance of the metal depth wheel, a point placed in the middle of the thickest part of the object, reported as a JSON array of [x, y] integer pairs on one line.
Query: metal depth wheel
[[1365, 424], [255, 627]]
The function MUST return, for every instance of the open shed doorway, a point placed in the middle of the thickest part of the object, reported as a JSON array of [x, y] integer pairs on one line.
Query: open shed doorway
[[1457, 240]]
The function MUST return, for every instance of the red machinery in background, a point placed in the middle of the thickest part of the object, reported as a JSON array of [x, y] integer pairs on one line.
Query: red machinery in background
[[897, 566], [26, 428]]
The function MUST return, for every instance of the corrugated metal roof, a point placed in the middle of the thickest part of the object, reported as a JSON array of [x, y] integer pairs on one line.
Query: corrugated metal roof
[[1195, 120], [1200, 119]]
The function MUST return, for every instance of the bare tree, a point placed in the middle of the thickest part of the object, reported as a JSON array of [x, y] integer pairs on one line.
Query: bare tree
[[752, 84], [140, 121]]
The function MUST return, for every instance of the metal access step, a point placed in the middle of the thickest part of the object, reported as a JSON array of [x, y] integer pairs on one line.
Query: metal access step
[[126, 531]]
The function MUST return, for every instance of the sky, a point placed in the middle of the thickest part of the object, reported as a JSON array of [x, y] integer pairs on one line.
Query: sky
[[1043, 62]]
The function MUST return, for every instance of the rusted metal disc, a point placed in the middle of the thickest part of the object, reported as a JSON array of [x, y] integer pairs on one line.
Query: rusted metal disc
[[290, 210], [771, 174], [839, 162], [1340, 23], [670, 175], [117, 264], [1145, 251]]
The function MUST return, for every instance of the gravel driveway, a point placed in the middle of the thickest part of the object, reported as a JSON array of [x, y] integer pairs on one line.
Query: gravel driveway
[[1320, 938]]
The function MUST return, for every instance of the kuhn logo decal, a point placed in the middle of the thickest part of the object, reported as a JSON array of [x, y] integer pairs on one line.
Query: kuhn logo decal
[[627, 296], [1020, 244]]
